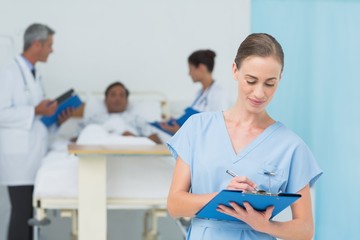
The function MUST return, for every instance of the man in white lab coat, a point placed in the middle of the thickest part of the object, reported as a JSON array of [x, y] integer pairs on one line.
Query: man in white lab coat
[[23, 137]]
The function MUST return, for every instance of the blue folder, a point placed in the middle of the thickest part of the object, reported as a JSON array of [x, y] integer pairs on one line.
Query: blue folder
[[258, 201], [71, 102], [180, 121]]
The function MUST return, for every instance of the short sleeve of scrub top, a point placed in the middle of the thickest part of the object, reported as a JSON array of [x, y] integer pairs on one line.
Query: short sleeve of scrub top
[[180, 143], [303, 169]]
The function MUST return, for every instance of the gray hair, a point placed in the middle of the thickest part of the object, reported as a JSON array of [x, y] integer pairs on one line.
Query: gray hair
[[36, 32]]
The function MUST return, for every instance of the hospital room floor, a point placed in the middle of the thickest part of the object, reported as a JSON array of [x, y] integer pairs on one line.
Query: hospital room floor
[[122, 224]]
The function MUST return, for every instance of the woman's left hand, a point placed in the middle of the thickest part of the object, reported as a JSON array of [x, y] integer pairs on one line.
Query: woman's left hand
[[258, 220]]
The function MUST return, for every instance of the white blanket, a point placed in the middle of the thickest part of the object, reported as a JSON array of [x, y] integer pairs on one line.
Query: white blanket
[[97, 134], [144, 177], [127, 177]]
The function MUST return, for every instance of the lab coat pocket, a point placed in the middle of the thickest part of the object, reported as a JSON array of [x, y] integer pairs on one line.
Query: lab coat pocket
[[272, 178], [14, 141]]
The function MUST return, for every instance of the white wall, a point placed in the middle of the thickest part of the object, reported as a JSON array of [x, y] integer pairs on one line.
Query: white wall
[[143, 43]]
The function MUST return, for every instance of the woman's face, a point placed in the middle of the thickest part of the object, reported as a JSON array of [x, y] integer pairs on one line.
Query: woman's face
[[258, 78], [196, 73]]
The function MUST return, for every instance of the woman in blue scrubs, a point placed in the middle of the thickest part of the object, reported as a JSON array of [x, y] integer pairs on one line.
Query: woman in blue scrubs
[[247, 141]]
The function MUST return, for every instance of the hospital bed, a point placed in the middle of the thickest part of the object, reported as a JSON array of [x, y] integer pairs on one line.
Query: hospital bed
[[134, 181]]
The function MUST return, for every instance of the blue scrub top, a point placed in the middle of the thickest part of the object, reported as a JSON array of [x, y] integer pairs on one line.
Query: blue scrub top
[[204, 144]]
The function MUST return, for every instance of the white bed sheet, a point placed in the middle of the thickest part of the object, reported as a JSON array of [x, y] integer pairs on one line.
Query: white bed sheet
[[128, 177], [94, 134], [139, 177]]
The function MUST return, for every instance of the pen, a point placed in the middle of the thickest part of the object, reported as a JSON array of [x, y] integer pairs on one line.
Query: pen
[[230, 173], [269, 174], [234, 175]]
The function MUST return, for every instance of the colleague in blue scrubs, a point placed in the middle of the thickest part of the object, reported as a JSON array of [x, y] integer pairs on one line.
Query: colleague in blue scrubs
[[247, 141]]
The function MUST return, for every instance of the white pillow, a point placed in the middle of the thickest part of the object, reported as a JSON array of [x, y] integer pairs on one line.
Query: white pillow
[[95, 105], [148, 108]]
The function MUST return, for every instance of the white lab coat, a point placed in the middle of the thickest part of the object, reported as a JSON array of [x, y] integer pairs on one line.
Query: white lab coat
[[23, 138], [213, 99]]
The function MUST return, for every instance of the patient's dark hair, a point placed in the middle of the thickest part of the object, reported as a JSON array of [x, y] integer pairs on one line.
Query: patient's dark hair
[[206, 57], [114, 85]]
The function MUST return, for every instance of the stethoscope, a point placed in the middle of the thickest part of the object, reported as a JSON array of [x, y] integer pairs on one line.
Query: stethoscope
[[26, 86], [202, 99]]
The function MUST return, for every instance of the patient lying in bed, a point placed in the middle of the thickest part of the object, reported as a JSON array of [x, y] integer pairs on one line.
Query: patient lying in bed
[[118, 118], [114, 120]]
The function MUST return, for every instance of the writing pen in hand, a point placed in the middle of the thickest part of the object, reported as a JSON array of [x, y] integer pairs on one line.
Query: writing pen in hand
[[234, 175], [230, 173]]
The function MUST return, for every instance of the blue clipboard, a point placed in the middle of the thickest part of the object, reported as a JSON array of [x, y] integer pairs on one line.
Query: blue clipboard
[[71, 102], [258, 201], [180, 121]]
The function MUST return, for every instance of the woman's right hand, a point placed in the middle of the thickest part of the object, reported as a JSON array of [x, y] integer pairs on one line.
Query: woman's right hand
[[241, 183]]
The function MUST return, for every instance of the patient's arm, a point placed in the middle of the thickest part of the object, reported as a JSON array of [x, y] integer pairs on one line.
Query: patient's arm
[[128, 133], [154, 137]]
